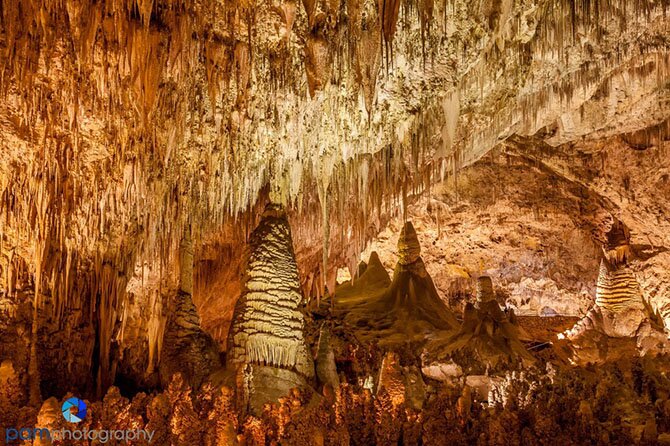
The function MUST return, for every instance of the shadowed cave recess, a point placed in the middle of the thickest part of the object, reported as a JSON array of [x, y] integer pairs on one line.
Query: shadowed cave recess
[[335, 222]]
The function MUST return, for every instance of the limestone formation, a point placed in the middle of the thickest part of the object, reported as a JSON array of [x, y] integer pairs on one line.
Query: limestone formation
[[266, 341], [487, 338], [407, 310], [326, 369], [49, 417], [619, 311], [139, 135], [187, 349]]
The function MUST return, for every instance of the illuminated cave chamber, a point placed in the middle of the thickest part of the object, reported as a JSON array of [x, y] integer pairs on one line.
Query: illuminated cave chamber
[[180, 183]]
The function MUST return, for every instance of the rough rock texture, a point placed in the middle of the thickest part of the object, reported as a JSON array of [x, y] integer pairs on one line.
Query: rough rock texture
[[187, 349], [268, 322], [535, 222], [326, 369], [619, 311], [122, 122]]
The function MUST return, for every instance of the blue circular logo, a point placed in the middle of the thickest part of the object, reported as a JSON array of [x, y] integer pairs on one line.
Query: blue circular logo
[[74, 410]]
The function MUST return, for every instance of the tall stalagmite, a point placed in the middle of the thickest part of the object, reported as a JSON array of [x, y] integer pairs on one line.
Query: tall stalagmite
[[266, 344], [619, 312], [619, 308]]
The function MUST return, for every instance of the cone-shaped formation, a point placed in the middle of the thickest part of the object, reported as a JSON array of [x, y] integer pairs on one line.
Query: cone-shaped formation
[[408, 308], [266, 344], [487, 337], [187, 349], [412, 291], [619, 311], [267, 327]]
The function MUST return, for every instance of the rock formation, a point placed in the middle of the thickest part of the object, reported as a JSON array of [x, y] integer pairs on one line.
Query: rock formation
[[407, 310], [266, 344], [487, 338], [137, 135], [326, 369], [187, 349], [49, 417], [619, 311]]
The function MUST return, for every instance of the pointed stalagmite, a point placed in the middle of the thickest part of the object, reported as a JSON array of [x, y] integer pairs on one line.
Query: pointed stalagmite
[[405, 309], [412, 290]]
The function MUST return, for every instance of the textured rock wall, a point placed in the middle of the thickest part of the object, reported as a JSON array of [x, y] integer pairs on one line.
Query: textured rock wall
[[534, 219]]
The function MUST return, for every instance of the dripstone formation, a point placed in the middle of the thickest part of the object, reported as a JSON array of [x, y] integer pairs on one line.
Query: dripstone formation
[[266, 344], [488, 336], [407, 309], [187, 349], [619, 311]]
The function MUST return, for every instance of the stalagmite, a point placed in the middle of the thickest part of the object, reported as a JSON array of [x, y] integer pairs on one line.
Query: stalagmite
[[139, 135], [407, 310], [487, 337], [187, 349], [326, 369], [49, 417], [266, 341], [619, 310]]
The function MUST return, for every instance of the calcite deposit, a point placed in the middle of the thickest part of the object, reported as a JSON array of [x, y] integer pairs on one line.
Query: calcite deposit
[[336, 222]]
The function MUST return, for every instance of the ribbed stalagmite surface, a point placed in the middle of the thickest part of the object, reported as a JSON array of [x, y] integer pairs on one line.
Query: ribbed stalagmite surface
[[268, 324], [619, 309], [617, 289], [620, 313]]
